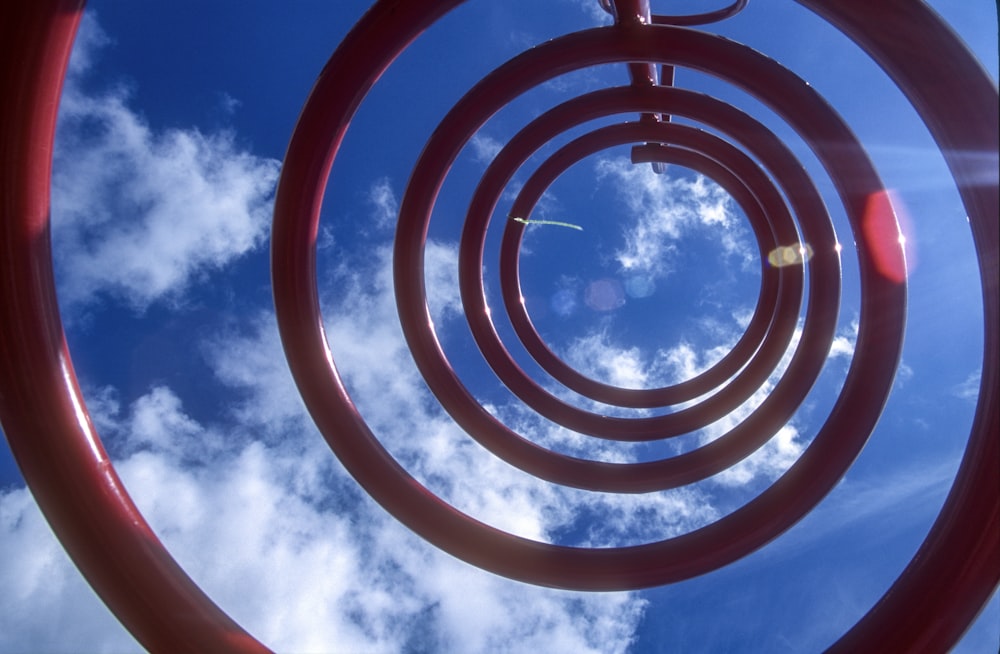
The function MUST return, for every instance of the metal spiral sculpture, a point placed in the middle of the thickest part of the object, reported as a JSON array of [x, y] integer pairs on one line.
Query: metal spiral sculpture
[[68, 470]]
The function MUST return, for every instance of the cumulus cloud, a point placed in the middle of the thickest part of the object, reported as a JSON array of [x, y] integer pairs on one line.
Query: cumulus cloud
[[261, 515], [139, 212], [46, 605], [595, 356], [276, 534], [844, 342]]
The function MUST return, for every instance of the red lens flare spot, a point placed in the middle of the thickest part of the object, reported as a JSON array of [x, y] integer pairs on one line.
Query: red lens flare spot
[[882, 235]]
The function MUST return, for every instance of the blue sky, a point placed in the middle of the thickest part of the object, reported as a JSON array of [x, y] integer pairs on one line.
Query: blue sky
[[174, 121]]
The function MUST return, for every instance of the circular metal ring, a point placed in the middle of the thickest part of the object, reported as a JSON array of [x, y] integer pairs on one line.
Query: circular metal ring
[[753, 192], [705, 549], [41, 407], [702, 18]]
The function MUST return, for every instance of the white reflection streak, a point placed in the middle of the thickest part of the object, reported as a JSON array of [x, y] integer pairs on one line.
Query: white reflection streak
[[82, 417]]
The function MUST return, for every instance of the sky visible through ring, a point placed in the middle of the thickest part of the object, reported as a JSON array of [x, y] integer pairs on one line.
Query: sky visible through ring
[[173, 124]]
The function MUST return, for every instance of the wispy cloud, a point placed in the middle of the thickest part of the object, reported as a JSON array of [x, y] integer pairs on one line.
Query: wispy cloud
[[968, 389], [594, 11], [664, 208], [484, 148], [855, 502], [384, 203]]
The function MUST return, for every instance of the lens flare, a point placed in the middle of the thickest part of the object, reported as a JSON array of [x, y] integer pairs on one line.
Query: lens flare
[[883, 236], [790, 255], [604, 295]]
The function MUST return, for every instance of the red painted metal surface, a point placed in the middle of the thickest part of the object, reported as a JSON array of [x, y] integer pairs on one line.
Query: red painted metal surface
[[932, 602], [703, 18], [42, 411]]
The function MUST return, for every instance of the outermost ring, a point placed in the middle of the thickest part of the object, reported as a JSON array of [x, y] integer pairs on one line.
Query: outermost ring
[[44, 416]]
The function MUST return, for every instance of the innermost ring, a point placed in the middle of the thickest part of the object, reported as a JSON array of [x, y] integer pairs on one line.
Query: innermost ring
[[760, 215], [663, 262]]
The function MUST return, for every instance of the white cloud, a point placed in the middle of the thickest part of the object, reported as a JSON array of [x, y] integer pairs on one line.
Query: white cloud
[[594, 11], [258, 511], [684, 361], [270, 403], [841, 347], [598, 356], [779, 452], [228, 103], [595, 356], [968, 389], [384, 203], [368, 347], [904, 373], [844, 342], [260, 514], [664, 209], [46, 605], [90, 39], [774, 458], [266, 530], [138, 213], [484, 148]]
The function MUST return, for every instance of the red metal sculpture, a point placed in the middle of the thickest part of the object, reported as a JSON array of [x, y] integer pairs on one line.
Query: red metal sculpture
[[68, 471]]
